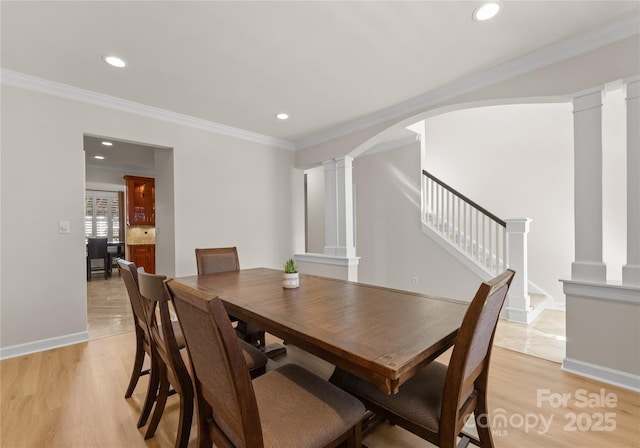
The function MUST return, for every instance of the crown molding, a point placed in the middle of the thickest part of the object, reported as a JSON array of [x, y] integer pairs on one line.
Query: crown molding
[[23, 81], [532, 61]]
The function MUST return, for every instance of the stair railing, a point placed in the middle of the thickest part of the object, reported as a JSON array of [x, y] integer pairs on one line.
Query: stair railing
[[491, 243], [478, 233]]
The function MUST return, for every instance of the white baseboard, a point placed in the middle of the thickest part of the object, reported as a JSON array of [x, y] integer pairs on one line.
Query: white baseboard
[[605, 374], [42, 345]]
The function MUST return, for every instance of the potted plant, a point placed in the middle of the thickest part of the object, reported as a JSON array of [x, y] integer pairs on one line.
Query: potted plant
[[290, 277]]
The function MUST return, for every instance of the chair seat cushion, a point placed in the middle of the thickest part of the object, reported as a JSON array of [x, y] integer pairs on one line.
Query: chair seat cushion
[[419, 400], [299, 409], [254, 357]]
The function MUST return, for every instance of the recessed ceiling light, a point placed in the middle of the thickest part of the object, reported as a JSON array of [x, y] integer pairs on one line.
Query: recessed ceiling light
[[99, 157], [282, 116], [114, 61], [107, 143], [486, 11]]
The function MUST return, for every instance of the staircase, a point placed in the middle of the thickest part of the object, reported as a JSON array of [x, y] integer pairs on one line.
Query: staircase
[[483, 242]]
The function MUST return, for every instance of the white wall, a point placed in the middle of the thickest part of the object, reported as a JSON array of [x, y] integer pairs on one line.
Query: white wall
[[315, 210], [389, 236], [227, 192], [516, 161]]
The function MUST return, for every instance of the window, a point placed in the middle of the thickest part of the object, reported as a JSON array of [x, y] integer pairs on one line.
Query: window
[[102, 215]]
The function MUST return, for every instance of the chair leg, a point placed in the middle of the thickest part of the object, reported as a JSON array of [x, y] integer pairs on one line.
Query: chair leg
[[137, 366], [481, 415], [161, 401], [186, 417], [152, 393], [355, 441], [203, 413]]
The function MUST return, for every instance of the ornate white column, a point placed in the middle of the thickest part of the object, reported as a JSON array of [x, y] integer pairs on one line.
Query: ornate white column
[[631, 270], [587, 133], [338, 259], [344, 188], [338, 197], [330, 208]]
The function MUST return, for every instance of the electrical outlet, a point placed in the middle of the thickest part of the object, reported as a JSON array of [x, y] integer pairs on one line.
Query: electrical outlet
[[414, 280]]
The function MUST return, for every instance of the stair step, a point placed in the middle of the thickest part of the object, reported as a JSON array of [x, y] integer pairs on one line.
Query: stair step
[[538, 300], [537, 304]]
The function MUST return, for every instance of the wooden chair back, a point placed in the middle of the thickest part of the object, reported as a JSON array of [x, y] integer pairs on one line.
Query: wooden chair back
[[214, 260], [155, 293], [166, 359], [217, 259], [467, 375], [221, 377], [129, 272]]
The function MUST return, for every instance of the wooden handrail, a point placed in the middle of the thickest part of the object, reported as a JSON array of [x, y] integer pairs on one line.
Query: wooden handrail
[[464, 198]]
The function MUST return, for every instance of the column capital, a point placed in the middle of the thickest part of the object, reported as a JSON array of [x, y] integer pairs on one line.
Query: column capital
[[346, 162], [329, 164], [632, 87], [587, 99]]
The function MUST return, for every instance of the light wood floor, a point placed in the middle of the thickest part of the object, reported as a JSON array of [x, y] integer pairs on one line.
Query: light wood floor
[[74, 397]]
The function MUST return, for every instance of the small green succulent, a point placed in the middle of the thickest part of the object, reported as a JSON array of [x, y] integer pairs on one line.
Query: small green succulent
[[290, 267]]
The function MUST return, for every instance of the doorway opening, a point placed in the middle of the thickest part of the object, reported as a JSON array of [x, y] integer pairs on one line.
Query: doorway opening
[[109, 162]]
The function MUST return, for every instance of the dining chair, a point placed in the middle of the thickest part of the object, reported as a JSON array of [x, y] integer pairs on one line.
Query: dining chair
[[129, 273], [97, 250], [166, 360], [214, 260], [437, 401], [286, 407]]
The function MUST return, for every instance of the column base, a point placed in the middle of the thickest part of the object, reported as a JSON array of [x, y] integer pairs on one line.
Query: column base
[[339, 252], [589, 271], [525, 311], [631, 275], [344, 268]]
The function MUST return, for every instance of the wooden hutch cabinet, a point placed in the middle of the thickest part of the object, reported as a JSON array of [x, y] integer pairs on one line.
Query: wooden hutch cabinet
[[141, 201], [144, 256], [141, 214]]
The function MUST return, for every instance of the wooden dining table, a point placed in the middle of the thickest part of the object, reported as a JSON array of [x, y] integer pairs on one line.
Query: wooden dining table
[[381, 335]]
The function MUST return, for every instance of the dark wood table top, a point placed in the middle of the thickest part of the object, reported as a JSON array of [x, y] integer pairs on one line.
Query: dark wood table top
[[381, 335]]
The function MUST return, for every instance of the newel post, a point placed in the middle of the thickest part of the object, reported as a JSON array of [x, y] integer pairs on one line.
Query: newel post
[[519, 300]]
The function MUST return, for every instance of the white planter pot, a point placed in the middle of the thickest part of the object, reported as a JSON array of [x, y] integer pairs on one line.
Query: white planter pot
[[290, 280]]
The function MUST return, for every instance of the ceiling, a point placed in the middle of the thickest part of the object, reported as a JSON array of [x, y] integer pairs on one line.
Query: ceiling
[[239, 63], [122, 156]]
